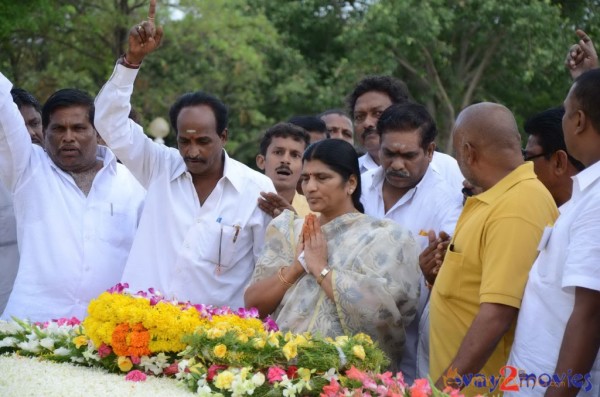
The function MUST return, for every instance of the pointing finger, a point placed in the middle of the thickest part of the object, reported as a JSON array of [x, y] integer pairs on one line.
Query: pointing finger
[[152, 11]]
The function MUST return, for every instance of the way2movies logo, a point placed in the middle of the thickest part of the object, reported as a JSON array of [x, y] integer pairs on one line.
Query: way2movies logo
[[513, 379]]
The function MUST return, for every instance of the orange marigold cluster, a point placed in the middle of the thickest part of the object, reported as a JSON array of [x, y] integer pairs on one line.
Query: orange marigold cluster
[[129, 340]]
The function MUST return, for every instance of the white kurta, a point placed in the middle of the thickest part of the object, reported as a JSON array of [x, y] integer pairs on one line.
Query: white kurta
[[569, 257], [201, 253], [72, 247], [9, 251]]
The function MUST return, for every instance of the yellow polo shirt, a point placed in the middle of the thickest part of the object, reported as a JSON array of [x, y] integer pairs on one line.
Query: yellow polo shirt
[[493, 248]]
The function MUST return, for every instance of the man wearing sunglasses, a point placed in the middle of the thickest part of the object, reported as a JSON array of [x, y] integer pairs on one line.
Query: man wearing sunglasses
[[546, 148]]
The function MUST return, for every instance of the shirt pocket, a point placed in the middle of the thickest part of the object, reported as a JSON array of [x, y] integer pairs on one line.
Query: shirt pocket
[[228, 244], [448, 282]]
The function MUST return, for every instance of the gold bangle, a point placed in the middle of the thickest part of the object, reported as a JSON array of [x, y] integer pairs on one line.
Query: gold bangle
[[281, 278]]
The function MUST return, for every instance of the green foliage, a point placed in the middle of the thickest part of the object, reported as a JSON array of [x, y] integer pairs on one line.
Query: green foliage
[[269, 60]]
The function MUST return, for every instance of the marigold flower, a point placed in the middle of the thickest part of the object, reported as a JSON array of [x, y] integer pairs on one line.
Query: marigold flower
[[220, 350]]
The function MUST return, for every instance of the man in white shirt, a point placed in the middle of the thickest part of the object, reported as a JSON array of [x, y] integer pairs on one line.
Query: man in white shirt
[[76, 208], [366, 103], [31, 110], [558, 328], [201, 231], [406, 189]]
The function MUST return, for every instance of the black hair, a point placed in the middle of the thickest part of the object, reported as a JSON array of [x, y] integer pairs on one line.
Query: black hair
[[587, 93], [283, 130], [66, 98], [391, 86], [25, 98], [408, 117], [310, 123], [341, 157], [547, 128], [200, 98]]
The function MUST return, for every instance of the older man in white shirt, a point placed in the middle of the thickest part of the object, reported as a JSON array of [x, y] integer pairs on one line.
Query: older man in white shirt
[[201, 230], [408, 190], [76, 208]]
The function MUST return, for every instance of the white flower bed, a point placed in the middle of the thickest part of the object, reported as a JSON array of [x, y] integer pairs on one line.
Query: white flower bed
[[23, 376]]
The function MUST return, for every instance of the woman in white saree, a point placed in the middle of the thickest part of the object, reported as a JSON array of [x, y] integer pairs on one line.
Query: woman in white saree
[[343, 272]]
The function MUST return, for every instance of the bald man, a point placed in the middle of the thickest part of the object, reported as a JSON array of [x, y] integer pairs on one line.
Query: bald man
[[478, 291]]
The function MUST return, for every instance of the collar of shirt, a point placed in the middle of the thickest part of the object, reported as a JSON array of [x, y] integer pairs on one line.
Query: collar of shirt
[[109, 160], [521, 173], [366, 163], [585, 178], [379, 177], [231, 172]]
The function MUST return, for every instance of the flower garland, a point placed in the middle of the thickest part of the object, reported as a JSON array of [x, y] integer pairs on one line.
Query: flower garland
[[212, 351]]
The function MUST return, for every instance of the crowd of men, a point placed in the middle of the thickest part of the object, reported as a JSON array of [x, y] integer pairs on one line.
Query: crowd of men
[[510, 273]]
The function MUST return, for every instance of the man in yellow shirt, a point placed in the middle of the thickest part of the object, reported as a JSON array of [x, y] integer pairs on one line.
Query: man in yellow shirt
[[478, 292]]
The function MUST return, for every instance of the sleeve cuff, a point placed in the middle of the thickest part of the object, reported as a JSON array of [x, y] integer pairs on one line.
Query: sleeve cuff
[[501, 299], [581, 281], [123, 77]]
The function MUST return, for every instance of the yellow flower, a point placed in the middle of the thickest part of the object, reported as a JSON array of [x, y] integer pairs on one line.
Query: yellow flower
[[198, 369], [301, 340], [258, 343], [80, 340], [242, 338], [359, 351], [124, 364], [363, 338], [288, 336], [304, 374], [273, 339], [224, 380], [214, 333], [290, 350], [341, 340], [220, 350]]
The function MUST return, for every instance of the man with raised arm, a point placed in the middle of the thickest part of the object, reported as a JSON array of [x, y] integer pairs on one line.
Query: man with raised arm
[[201, 229], [77, 210]]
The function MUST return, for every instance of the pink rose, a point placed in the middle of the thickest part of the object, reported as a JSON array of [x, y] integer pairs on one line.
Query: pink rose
[[275, 374], [171, 369], [136, 376], [332, 389], [135, 360], [104, 350]]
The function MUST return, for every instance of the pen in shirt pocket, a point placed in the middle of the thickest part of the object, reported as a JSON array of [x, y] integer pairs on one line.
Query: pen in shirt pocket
[[111, 209]]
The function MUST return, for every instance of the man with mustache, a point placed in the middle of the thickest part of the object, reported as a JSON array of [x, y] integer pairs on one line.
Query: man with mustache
[[77, 210], [280, 157], [201, 230], [31, 110], [408, 190], [371, 96]]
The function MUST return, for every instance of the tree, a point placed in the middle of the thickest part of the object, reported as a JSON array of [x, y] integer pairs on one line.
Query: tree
[[454, 53]]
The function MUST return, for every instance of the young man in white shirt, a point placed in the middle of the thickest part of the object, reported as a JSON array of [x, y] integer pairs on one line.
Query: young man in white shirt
[[406, 189], [281, 149], [77, 210], [558, 328], [201, 231]]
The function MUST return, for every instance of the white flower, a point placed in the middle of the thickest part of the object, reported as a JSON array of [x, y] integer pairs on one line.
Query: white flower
[[47, 343], [8, 342], [62, 351], [32, 346], [204, 390], [155, 364], [10, 328], [331, 374], [258, 379]]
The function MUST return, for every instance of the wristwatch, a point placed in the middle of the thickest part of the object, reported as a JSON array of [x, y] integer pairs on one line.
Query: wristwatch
[[323, 274]]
